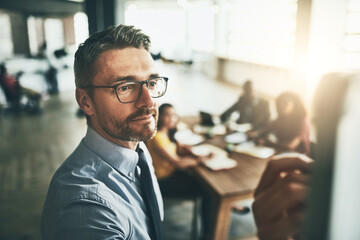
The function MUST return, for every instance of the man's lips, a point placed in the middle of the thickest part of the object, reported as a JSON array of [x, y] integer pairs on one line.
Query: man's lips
[[144, 117]]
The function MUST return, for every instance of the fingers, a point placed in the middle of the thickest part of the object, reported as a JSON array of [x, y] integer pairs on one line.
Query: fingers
[[280, 197], [285, 195], [277, 165], [285, 228]]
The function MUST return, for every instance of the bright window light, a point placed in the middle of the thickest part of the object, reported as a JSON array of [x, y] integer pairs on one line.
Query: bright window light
[[81, 27], [262, 32], [6, 46], [176, 28], [54, 33], [351, 43]]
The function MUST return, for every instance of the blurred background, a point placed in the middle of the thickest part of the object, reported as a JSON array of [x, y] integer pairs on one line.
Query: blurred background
[[208, 49]]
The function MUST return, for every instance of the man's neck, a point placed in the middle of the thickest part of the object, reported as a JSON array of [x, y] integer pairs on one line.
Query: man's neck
[[126, 144]]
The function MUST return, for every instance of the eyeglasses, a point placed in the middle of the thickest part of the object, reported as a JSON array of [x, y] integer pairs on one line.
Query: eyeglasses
[[130, 91]]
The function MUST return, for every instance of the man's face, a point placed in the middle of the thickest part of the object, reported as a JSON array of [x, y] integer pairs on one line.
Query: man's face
[[123, 122]]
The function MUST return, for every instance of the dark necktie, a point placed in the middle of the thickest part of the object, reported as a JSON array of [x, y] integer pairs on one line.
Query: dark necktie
[[150, 197]]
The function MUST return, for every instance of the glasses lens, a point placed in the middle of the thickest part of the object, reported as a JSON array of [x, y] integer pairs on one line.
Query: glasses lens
[[157, 87], [128, 91]]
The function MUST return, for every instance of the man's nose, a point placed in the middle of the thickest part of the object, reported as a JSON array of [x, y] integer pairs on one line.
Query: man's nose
[[145, 99]]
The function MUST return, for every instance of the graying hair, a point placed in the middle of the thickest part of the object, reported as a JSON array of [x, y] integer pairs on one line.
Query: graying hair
[[119, 37]]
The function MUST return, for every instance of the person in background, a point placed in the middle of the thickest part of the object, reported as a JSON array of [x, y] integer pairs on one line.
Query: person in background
[[171, 159], [290, 131], [168, 155], [14, 92], [252, 109], [11, 88], [107, 188], [54, 66]]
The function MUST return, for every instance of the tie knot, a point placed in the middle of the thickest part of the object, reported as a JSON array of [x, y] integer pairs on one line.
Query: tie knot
[[142, 160]]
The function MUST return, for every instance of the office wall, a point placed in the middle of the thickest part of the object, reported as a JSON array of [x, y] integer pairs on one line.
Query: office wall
[[18, 28], [269, 81], [321, 28]]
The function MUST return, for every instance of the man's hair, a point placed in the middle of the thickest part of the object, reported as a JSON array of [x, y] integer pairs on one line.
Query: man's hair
[[88, 52]]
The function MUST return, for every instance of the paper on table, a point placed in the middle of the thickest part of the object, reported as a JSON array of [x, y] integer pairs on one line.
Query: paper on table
[[251, 149], [219, 161], [188, 137], [244, 127], [215, 130], [292, 155], [206, 149], [236, 138]]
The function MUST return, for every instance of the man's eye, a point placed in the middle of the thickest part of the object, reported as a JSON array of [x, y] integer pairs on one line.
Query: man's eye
[[152, 83], [124, 88]]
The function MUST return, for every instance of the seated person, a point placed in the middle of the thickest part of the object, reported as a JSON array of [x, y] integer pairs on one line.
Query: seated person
[[171, 158], [14, 92], [252, 109], [291, 128], [11, 88], [168, 155]]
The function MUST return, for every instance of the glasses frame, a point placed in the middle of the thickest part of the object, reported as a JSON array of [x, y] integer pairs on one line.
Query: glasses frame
[[146, 82]]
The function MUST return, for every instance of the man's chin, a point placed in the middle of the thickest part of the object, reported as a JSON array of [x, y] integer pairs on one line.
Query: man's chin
[[145, 133], [142, 136]]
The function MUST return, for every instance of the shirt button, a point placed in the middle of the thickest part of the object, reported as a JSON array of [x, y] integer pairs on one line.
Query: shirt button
[[130, 174]]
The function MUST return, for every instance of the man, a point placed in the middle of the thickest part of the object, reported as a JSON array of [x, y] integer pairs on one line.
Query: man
[[252, 109], [99, 192]]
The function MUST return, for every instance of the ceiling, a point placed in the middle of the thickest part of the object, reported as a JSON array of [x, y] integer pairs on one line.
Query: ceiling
[[43, 7]]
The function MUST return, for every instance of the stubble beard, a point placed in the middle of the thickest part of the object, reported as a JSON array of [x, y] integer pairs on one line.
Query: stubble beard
[[122, 130]]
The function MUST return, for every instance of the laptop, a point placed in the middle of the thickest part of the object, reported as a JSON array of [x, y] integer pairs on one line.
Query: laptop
[[206, 119]]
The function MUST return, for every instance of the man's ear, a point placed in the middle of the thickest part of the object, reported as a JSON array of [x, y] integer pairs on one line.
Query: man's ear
[[84, 101]]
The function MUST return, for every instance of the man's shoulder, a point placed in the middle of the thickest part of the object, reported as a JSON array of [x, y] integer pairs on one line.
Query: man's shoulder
[[84, 179], [75, 178], [80, 177]]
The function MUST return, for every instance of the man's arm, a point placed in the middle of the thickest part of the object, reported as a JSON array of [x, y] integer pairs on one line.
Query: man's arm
[[235, 107], [88, 220], [280, 198]]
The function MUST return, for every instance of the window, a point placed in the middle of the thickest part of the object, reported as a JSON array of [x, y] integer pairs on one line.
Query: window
[[54, 33], [262, 31], [6, 46], [351, 46], [81, 27], [176, 28]]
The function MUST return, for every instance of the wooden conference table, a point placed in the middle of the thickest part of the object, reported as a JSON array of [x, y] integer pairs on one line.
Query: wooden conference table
[[229, 186]]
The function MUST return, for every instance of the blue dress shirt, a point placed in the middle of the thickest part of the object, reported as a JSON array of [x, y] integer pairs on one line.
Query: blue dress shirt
[[95, 194]]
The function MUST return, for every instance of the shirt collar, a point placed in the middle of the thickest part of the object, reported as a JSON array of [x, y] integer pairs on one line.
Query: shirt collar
[[120, 158]]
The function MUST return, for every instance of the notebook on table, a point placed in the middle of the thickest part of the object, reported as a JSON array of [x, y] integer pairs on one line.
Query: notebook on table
[[219, 161]]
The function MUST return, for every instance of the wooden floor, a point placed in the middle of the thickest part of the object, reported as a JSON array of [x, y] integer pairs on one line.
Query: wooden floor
[[32, 147]]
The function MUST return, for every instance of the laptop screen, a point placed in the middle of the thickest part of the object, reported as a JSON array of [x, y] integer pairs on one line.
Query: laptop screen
[[206, 119]]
